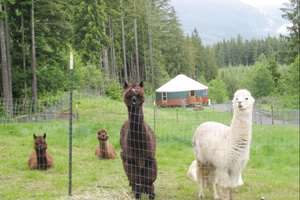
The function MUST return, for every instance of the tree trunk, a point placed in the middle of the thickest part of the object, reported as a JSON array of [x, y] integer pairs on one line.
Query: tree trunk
[[5, 83], [150, 44], [33, 60], [145, 63], [112, 50], [7, 37], [136, 47], [123, 40], [133, 72], [24, 57], [105, 61], [105, 56]]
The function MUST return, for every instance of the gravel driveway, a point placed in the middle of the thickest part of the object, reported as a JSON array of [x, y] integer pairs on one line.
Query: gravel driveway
[[257, 118]]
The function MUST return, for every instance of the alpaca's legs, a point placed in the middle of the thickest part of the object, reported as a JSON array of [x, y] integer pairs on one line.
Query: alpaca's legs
[[234, 180], [201, 180], [150, 174], [151, 193], [133, 173], [224, 183], [213, 190], [225, 193], [137, 190], [232, 193], [148, 188], [212, 186]]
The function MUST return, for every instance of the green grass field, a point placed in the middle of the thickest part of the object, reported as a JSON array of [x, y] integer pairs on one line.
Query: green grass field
[[272, 172]]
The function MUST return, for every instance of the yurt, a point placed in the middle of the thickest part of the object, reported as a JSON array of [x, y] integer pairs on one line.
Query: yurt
[[181, 90]]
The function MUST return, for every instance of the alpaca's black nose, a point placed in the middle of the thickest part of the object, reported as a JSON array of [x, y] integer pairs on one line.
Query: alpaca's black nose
[[240, 104], [133, 99]]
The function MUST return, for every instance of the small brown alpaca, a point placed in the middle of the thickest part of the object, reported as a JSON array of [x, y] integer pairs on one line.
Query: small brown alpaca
[[105, 150], [40, 158], [138, 143]]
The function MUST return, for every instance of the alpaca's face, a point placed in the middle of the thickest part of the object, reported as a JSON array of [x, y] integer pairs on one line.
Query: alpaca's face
[[134, 94], [242, 100], [102, 134], [40, 143]]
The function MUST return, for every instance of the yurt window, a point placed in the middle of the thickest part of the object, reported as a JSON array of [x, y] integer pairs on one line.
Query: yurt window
[[205, 92], [192, 93], [164, 96]]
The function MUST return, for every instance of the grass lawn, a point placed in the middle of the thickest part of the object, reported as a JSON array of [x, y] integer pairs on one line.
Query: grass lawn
[[272, 172]]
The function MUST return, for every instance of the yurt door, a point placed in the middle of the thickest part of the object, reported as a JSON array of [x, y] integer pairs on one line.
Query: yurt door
[[192, 97], [164, 98]]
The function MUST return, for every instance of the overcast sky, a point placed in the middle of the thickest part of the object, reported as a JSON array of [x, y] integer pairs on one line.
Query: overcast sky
[[261, 4]]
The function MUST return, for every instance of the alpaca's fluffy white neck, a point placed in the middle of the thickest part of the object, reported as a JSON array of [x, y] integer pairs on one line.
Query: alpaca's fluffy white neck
[[241, 125]]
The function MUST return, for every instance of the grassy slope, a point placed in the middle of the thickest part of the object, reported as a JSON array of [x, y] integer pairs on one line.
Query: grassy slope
[[272, 172]]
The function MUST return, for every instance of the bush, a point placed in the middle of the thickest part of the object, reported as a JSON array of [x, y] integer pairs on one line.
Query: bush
[[114, 91]]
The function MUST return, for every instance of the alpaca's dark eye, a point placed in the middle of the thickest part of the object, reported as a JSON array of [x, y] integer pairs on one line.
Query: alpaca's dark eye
[[246, 98], [138, 96], [236, 99]]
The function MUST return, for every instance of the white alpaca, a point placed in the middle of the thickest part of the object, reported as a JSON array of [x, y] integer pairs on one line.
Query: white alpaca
[[222, 151]]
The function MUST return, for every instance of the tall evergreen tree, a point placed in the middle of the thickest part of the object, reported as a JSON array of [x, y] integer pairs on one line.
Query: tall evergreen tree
[[273, 69], [7, 93], [33, 57], [292, 13], [88, 24]]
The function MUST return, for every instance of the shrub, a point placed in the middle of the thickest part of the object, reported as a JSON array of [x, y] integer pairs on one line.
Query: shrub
[[114, 91]]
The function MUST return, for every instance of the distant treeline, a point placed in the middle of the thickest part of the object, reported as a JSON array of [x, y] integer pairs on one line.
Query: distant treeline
[[239, 51]]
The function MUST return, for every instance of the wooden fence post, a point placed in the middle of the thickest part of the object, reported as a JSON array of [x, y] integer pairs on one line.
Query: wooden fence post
[[260, 118], [283, 115], [272, 112]]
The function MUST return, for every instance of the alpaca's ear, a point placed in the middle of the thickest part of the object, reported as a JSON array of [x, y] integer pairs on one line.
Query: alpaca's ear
[[125, 85], [141, 84], [34, 136], [107, 136], [44, 136], [253, 99]]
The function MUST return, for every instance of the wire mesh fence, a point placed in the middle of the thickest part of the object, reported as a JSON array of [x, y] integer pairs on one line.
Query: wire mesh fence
[[272, 171]]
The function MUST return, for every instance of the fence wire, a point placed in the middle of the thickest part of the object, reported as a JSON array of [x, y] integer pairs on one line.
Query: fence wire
[[272, 171]]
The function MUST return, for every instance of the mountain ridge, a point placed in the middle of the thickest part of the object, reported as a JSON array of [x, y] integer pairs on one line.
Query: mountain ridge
[[216, 20]]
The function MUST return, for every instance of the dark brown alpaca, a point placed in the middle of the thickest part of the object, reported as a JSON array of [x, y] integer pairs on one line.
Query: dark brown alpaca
[[138, 144], [40, 158], [105, 150]]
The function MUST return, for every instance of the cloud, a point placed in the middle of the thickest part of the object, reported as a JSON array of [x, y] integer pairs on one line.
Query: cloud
[[283, 29], [261, 4]]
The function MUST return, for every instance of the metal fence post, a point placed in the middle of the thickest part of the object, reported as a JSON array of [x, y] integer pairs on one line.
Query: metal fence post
[[154, 114], [70, 134]]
